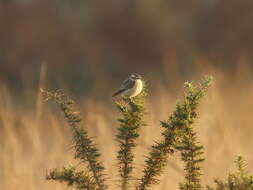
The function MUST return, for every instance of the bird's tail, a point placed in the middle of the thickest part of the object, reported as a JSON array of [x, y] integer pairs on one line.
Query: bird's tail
[[118, 92]]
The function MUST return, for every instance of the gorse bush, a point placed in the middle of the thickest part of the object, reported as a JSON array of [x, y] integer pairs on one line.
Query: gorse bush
[[178, 135], [85, 150], [238, 180], [132, 112]]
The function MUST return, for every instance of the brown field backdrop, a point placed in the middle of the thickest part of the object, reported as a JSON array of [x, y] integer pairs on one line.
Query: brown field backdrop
[[34, 137], [88, 47]]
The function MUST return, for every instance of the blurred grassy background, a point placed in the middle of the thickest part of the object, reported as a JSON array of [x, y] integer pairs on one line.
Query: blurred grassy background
[[88, 47]]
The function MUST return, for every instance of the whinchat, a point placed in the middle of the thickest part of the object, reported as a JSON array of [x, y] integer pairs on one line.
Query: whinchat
[[131, 87]]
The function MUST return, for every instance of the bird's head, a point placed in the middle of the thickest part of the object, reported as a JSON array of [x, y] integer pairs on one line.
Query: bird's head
[[135, 76]]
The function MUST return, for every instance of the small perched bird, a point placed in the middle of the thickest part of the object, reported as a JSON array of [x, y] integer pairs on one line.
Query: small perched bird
[[131, 87]]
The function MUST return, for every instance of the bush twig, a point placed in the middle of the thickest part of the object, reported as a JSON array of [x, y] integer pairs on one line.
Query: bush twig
[[132, 112], [183, 116], [85, 149]]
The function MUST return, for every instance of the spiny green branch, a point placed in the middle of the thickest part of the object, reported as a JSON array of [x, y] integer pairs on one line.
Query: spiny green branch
[[191, 151], [132, 111], [80, 180], [182, 117], [85, 150], [241, 165], [191, 155], [239, 180]]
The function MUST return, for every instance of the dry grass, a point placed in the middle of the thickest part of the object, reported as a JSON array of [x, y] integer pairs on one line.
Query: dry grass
[[35, 138]]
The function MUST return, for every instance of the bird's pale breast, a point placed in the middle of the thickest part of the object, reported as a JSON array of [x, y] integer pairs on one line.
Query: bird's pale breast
[[137, 88]]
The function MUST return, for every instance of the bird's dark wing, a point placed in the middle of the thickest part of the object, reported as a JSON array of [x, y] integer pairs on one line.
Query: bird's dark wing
[[118, 92], [126, 85]]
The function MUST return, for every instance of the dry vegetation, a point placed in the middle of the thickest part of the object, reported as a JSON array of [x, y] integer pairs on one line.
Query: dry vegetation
[[35, 139], [168, 42]]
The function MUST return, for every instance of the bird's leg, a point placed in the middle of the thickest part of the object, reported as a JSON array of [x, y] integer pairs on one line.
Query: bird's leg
[[131, 100], [132, 104]]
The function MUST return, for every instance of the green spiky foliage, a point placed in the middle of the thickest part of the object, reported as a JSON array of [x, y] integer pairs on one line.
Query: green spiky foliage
[[191, 155], [238, 180], [179, 122], [78, 179], [85, 149], [132, 112], [178, 135], [191, 150]]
